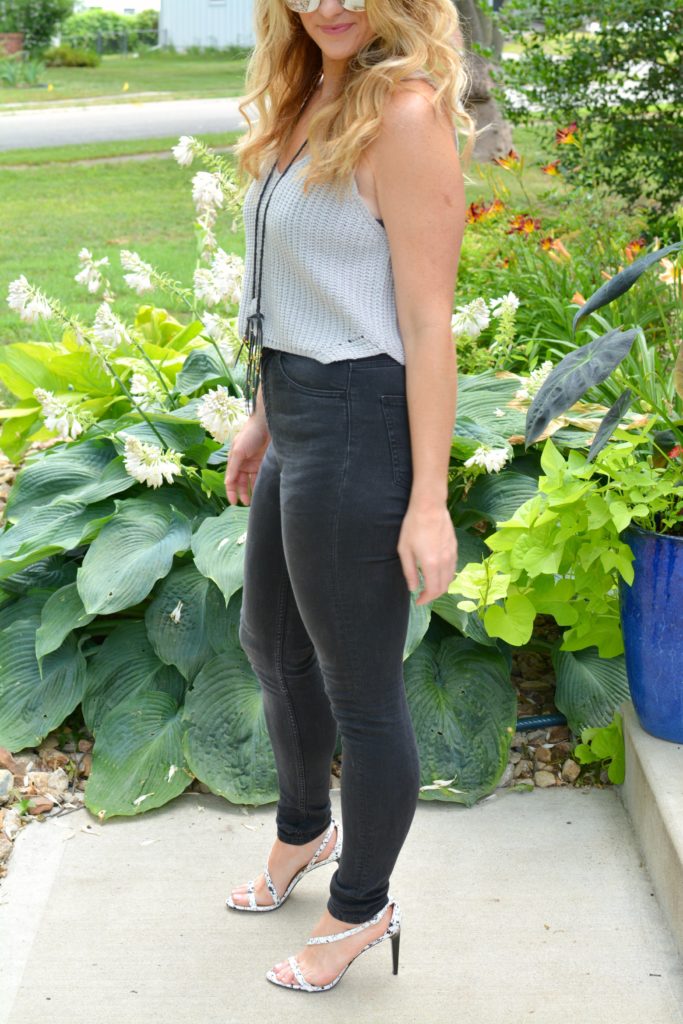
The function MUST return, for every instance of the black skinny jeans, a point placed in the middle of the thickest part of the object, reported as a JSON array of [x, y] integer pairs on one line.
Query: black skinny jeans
[[325, 610]]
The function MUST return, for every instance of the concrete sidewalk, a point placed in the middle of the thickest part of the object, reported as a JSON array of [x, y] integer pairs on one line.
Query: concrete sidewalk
[[529, 907]]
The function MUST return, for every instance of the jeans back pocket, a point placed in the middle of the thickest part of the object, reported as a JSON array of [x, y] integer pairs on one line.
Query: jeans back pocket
[[395, 411]]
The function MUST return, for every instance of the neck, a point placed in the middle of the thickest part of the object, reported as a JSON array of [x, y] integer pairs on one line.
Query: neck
[[333, 74]]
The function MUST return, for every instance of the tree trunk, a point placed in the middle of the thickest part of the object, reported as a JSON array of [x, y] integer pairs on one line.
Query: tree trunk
[[477, 27]]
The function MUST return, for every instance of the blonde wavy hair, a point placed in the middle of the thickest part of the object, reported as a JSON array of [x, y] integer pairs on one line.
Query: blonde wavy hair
[[410, 36]]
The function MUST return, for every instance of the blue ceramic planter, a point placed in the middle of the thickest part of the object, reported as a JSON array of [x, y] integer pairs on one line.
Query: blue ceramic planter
[[652, 621]]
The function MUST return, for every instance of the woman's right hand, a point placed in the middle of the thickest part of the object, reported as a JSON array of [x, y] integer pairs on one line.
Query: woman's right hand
[[244, 458]]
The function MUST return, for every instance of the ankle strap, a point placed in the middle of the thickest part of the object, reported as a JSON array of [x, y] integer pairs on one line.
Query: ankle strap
[[350, 931], [324, 842]]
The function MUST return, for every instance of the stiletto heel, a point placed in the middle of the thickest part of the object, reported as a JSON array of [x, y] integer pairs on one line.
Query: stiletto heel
[[314, 862], [395, 940], [393, 932]]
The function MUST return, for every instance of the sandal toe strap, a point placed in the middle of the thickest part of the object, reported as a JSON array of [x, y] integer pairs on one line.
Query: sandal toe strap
[[296, 970], [251, 895]]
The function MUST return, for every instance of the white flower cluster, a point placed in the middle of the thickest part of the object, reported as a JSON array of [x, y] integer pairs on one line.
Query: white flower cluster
[[184, 152], [147, 392], [504, 304], [58, 416], [109, 330], [90, 274], [222, 281], [149, 464], [223, 330], [471, 319], [27, 301], [534, 380], [221, 413], [140, 274], [490, 459]]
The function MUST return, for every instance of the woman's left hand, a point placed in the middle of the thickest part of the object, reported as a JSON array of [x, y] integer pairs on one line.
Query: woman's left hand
[[428, 539]]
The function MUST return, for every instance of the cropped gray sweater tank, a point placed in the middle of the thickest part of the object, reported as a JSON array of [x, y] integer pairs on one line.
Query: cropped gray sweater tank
[[328, 285]]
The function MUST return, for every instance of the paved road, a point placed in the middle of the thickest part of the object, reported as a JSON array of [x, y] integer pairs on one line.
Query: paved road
[[28, 129]]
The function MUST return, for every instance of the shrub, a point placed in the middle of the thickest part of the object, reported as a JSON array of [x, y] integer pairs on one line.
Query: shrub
[[611, 68], [66, 56], [38, 20]]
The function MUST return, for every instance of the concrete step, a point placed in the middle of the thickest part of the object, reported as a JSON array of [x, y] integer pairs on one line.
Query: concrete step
[[652, 793]]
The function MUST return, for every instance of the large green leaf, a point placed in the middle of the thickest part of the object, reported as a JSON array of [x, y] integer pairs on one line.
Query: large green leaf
[[180, 618], [463, 707], [621, 282], [31, 706], [468, 623], [49, 573], [589, 688], [203, 366], [24, 366], [497, 496], [86, 472], [125, 663], [131, 552], [44, 530], [227, 744], [138, 761], [482, 395], [418, 624], [579, 370], [62, 612], [174, 432], [218, 548]]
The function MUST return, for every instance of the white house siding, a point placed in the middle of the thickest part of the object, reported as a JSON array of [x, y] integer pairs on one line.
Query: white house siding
[[206, 23]]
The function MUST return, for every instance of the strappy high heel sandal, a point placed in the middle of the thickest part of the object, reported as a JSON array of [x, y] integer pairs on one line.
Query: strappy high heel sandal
[[393, 932], [314, 862]]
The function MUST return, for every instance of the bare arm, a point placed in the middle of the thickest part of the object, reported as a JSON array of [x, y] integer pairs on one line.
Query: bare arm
[[246, 454], [421, 195]]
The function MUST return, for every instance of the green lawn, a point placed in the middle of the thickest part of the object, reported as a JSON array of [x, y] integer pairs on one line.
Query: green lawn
[[57, 207], [180, 76]]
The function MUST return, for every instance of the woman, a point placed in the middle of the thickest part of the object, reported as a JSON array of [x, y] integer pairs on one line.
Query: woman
[[348, 298]]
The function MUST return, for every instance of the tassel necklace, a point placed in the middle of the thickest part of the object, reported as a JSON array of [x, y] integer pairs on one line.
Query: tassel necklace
[[253, 335]]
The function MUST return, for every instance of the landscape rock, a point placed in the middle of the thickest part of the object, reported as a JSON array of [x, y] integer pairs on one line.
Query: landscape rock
[[544, 779], [570, 770]]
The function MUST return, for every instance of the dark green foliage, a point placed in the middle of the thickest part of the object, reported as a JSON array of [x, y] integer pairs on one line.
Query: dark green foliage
[[38, 20], [621, 84]]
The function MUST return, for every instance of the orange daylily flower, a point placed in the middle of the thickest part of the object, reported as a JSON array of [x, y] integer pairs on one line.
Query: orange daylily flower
[[523, 224], [509, 162], [475, 212], [578, 298], [565, 136], [634, 247], [504, 263], [552, 168], [671, 271], [481, 211]]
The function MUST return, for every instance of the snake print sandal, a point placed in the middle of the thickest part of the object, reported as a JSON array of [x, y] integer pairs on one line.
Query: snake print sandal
[[313, 863], [393, 932]]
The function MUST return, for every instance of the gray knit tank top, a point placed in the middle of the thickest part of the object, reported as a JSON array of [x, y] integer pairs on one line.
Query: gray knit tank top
[[328, 285]]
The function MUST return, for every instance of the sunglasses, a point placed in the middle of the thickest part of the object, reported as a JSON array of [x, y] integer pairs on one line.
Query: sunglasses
[[308, 6]]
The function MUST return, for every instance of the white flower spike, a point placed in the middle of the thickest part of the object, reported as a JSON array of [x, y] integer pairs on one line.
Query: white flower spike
[[221, 413], [148, 464]]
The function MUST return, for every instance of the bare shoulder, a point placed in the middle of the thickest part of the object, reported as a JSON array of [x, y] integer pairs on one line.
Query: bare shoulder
[[411, 125]]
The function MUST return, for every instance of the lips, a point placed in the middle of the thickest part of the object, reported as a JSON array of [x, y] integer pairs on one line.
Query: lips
[[336, 29]]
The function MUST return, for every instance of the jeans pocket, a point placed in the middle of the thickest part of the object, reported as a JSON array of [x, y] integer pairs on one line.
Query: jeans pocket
[[395, 411], [308, 375]]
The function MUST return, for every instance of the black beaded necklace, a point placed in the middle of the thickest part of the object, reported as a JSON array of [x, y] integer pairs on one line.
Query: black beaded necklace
[[253, 335]]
